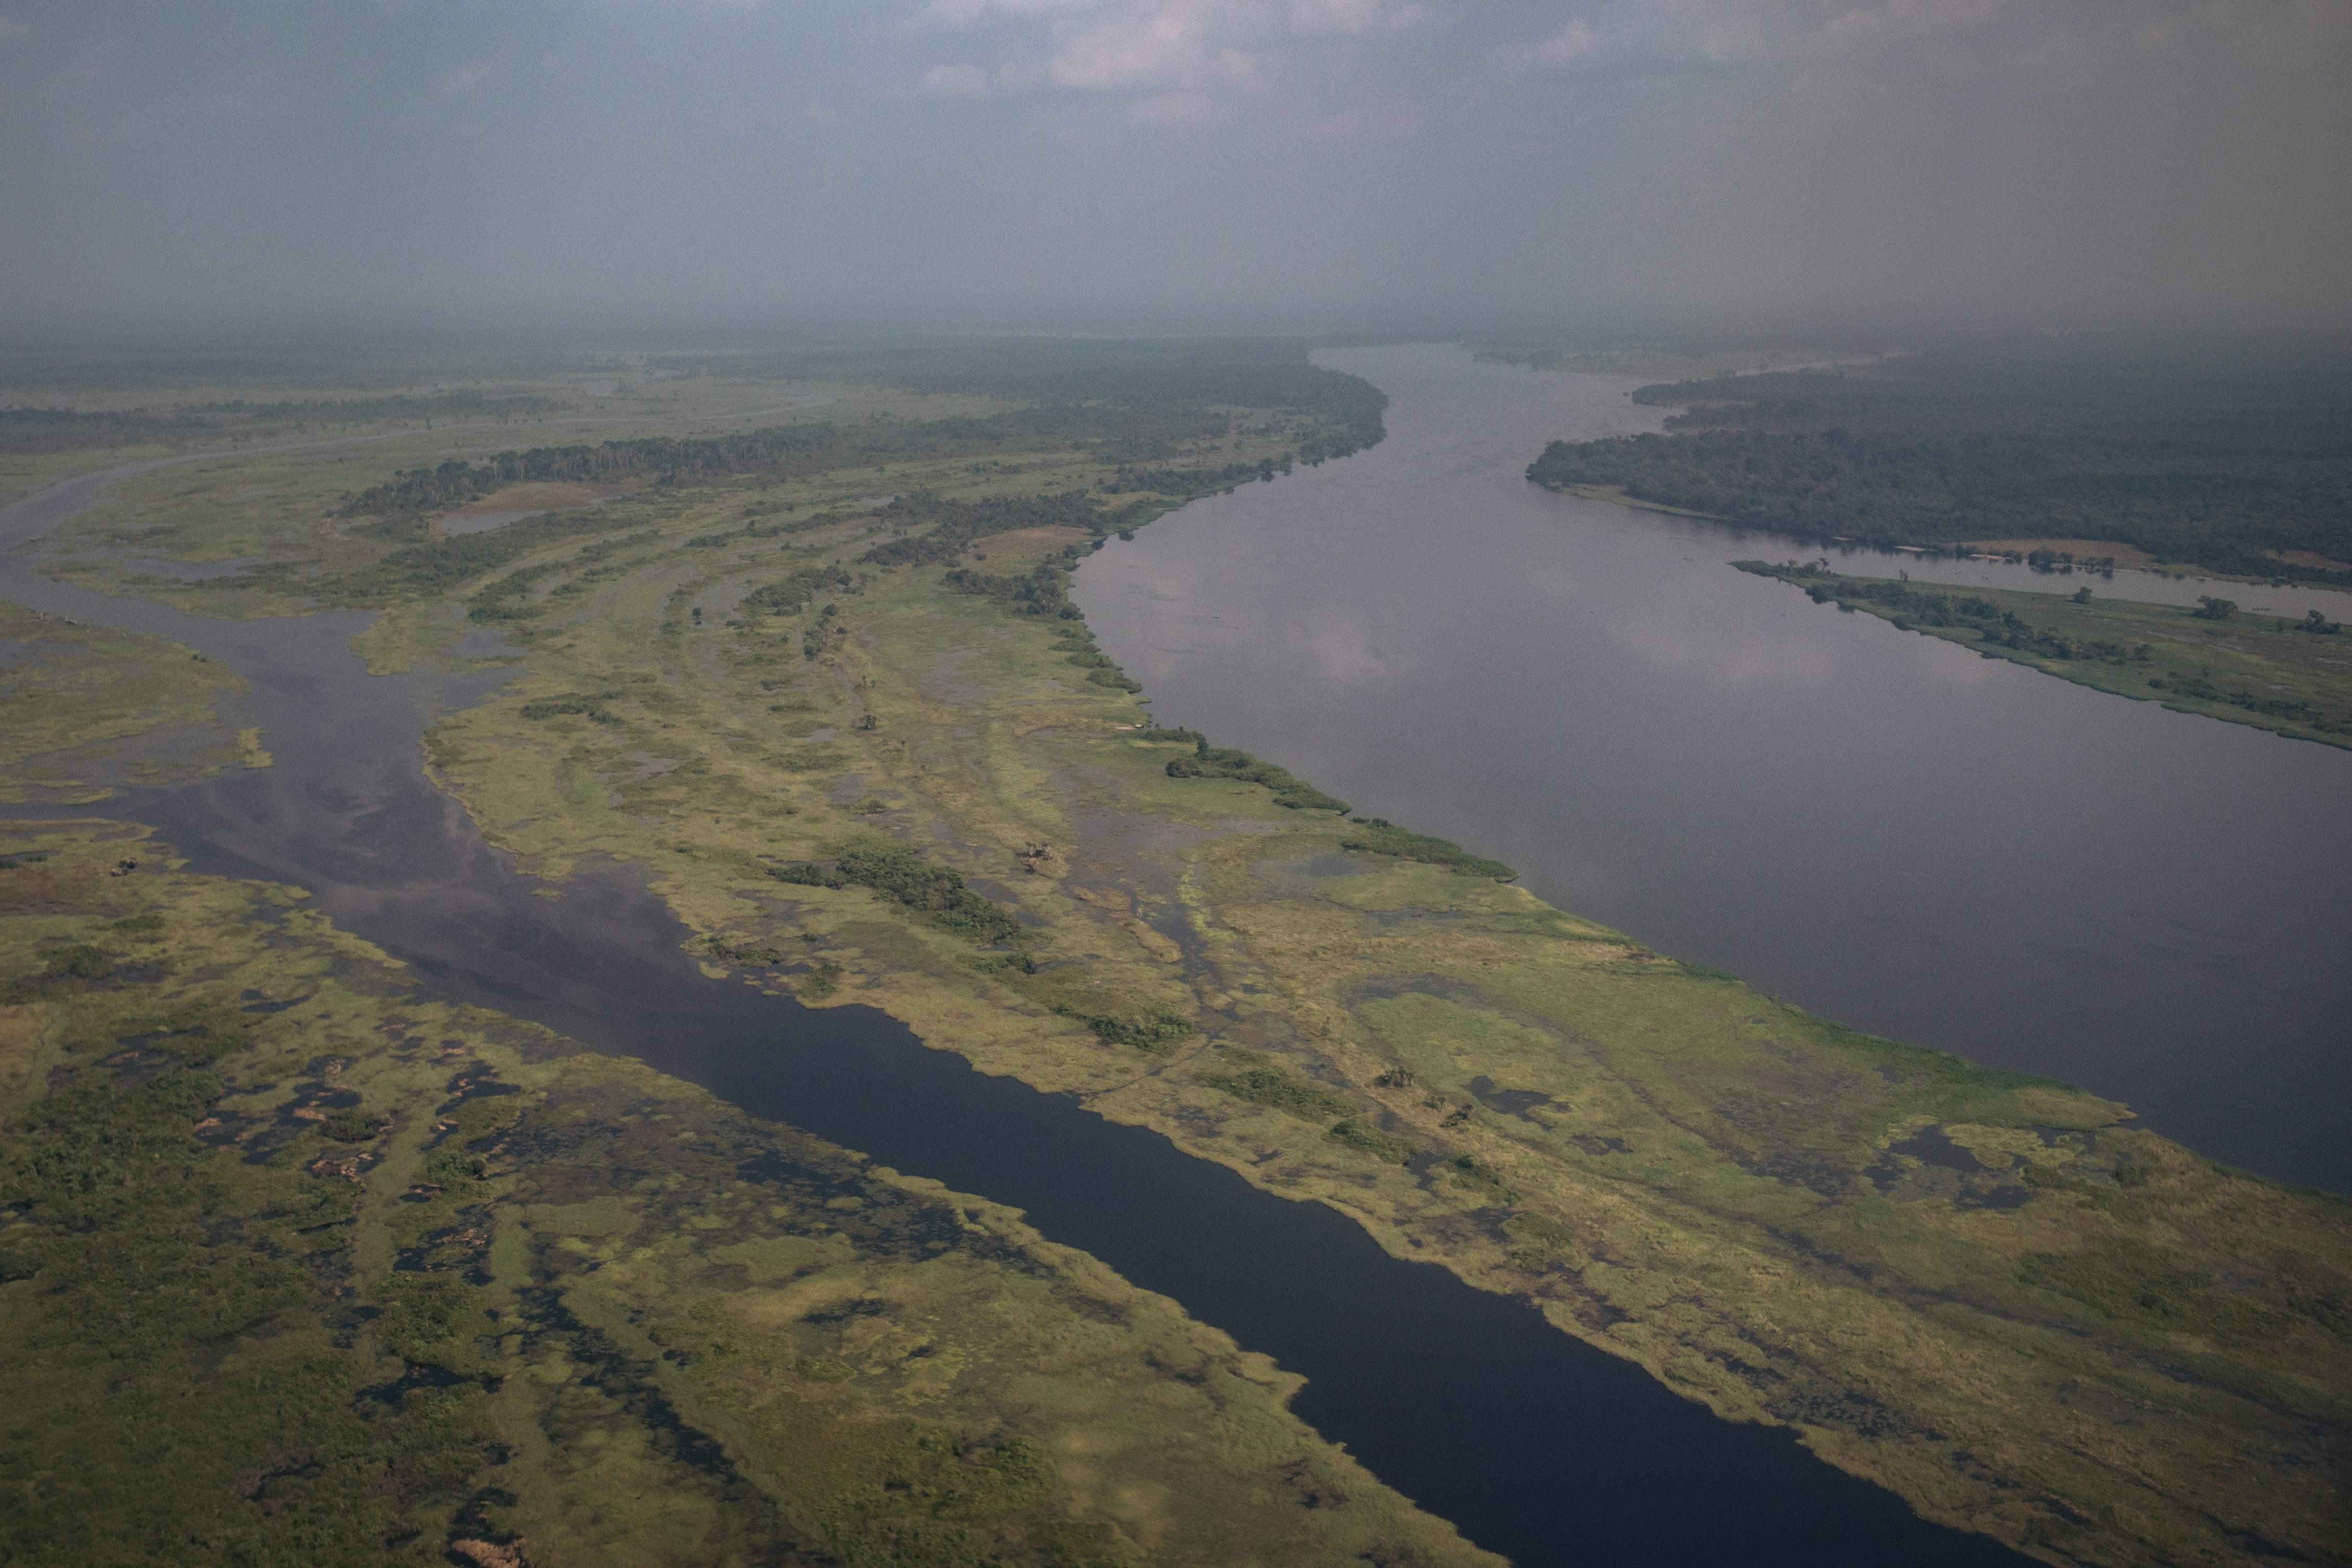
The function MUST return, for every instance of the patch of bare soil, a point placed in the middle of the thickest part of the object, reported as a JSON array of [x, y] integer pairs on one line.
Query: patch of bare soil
[[549, 496]]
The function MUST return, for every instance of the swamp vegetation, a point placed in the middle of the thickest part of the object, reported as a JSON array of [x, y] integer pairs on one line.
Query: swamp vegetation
[[299, 1265], [830, 693]]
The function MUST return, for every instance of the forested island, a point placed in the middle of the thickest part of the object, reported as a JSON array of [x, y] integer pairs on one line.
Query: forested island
[[2292, 675], [382, 1273], [2225, 455]]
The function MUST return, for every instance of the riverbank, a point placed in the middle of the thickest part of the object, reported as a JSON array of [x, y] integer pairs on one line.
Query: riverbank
[[301, 1258], [2292, 678]]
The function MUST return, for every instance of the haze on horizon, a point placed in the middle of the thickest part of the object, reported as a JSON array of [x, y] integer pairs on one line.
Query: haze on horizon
[[1320, 165]]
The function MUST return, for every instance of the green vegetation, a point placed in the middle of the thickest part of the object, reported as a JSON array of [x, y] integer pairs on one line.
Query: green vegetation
[[899, 874], [1209, 762], [2264, 670], [1386, 1147], [2214, 454], [1263, 1082], [55, 430], [1673, 1166], [1379, 836], [856, 790], [88, 708], [519, 1302]]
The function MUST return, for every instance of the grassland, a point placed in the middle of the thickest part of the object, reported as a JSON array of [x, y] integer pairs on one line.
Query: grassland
[[868, 754], [1988, 1292], [2293, 677], [299, 1265]]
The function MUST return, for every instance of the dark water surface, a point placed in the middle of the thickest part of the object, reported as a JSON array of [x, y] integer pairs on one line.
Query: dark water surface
[[1536, 1444], [1888, 830]]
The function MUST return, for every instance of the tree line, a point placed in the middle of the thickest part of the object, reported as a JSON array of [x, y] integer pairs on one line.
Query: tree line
[[2195, 456]]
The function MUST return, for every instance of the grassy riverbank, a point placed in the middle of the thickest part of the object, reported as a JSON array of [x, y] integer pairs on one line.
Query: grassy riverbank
[[300, 1264], [88, 708], [2293, 677], [868, 751]]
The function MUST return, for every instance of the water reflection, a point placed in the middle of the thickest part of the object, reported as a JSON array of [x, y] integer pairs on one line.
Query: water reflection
[[1886, 829]]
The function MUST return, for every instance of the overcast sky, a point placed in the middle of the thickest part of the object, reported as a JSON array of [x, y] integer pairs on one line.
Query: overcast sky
[[1099, 165]]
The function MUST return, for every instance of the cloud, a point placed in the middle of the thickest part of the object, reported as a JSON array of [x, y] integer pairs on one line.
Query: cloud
[[956, 81], [1719, 33], [1574, 42], [1174, 57], [464, 79]]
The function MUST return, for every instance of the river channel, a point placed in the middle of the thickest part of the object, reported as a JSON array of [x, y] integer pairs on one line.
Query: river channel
[[1536, 1444], [1887, 829]]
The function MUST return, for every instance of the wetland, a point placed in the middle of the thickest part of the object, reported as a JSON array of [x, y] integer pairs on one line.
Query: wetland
[[1573, 1202]]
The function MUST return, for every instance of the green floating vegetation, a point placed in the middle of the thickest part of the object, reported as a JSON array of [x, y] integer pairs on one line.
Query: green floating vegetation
[[899, 874], [1377, 837], [1209, 762]]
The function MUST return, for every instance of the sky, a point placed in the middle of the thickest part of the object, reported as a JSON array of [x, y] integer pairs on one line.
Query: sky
[[1162, 166]]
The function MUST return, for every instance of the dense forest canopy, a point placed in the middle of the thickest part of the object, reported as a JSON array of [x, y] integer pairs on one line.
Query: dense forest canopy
[[2232, 455]]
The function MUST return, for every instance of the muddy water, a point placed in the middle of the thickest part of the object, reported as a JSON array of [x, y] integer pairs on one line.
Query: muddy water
[[1537, 1446], [1887, 829]]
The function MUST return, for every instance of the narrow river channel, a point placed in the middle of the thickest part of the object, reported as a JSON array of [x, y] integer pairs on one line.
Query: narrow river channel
[[1887, 829], [1536, 1444]]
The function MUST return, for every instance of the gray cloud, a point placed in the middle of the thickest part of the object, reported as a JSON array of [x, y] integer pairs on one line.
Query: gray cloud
[[1325, 164]]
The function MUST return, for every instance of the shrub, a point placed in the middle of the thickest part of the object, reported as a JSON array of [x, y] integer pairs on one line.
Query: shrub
[[1384, 1146], [1217, 762], [1149, 1029], [899, 874], [1377, 838], [1262, 1082]]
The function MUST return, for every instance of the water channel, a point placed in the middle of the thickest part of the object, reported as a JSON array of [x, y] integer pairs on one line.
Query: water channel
[[1537, 1446], [1889, 830]]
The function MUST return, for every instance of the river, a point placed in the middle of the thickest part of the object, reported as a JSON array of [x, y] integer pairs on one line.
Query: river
[[1887, 829], [1536, 1444]]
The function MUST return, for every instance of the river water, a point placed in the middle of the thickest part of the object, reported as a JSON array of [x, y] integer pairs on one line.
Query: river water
[[1536, 1444], [1889, 830]]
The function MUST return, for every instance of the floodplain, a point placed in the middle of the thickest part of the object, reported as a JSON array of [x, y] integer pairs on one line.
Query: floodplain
[[832, 698]]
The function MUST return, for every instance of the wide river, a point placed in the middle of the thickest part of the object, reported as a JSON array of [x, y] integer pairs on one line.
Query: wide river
[[1887, 829]]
